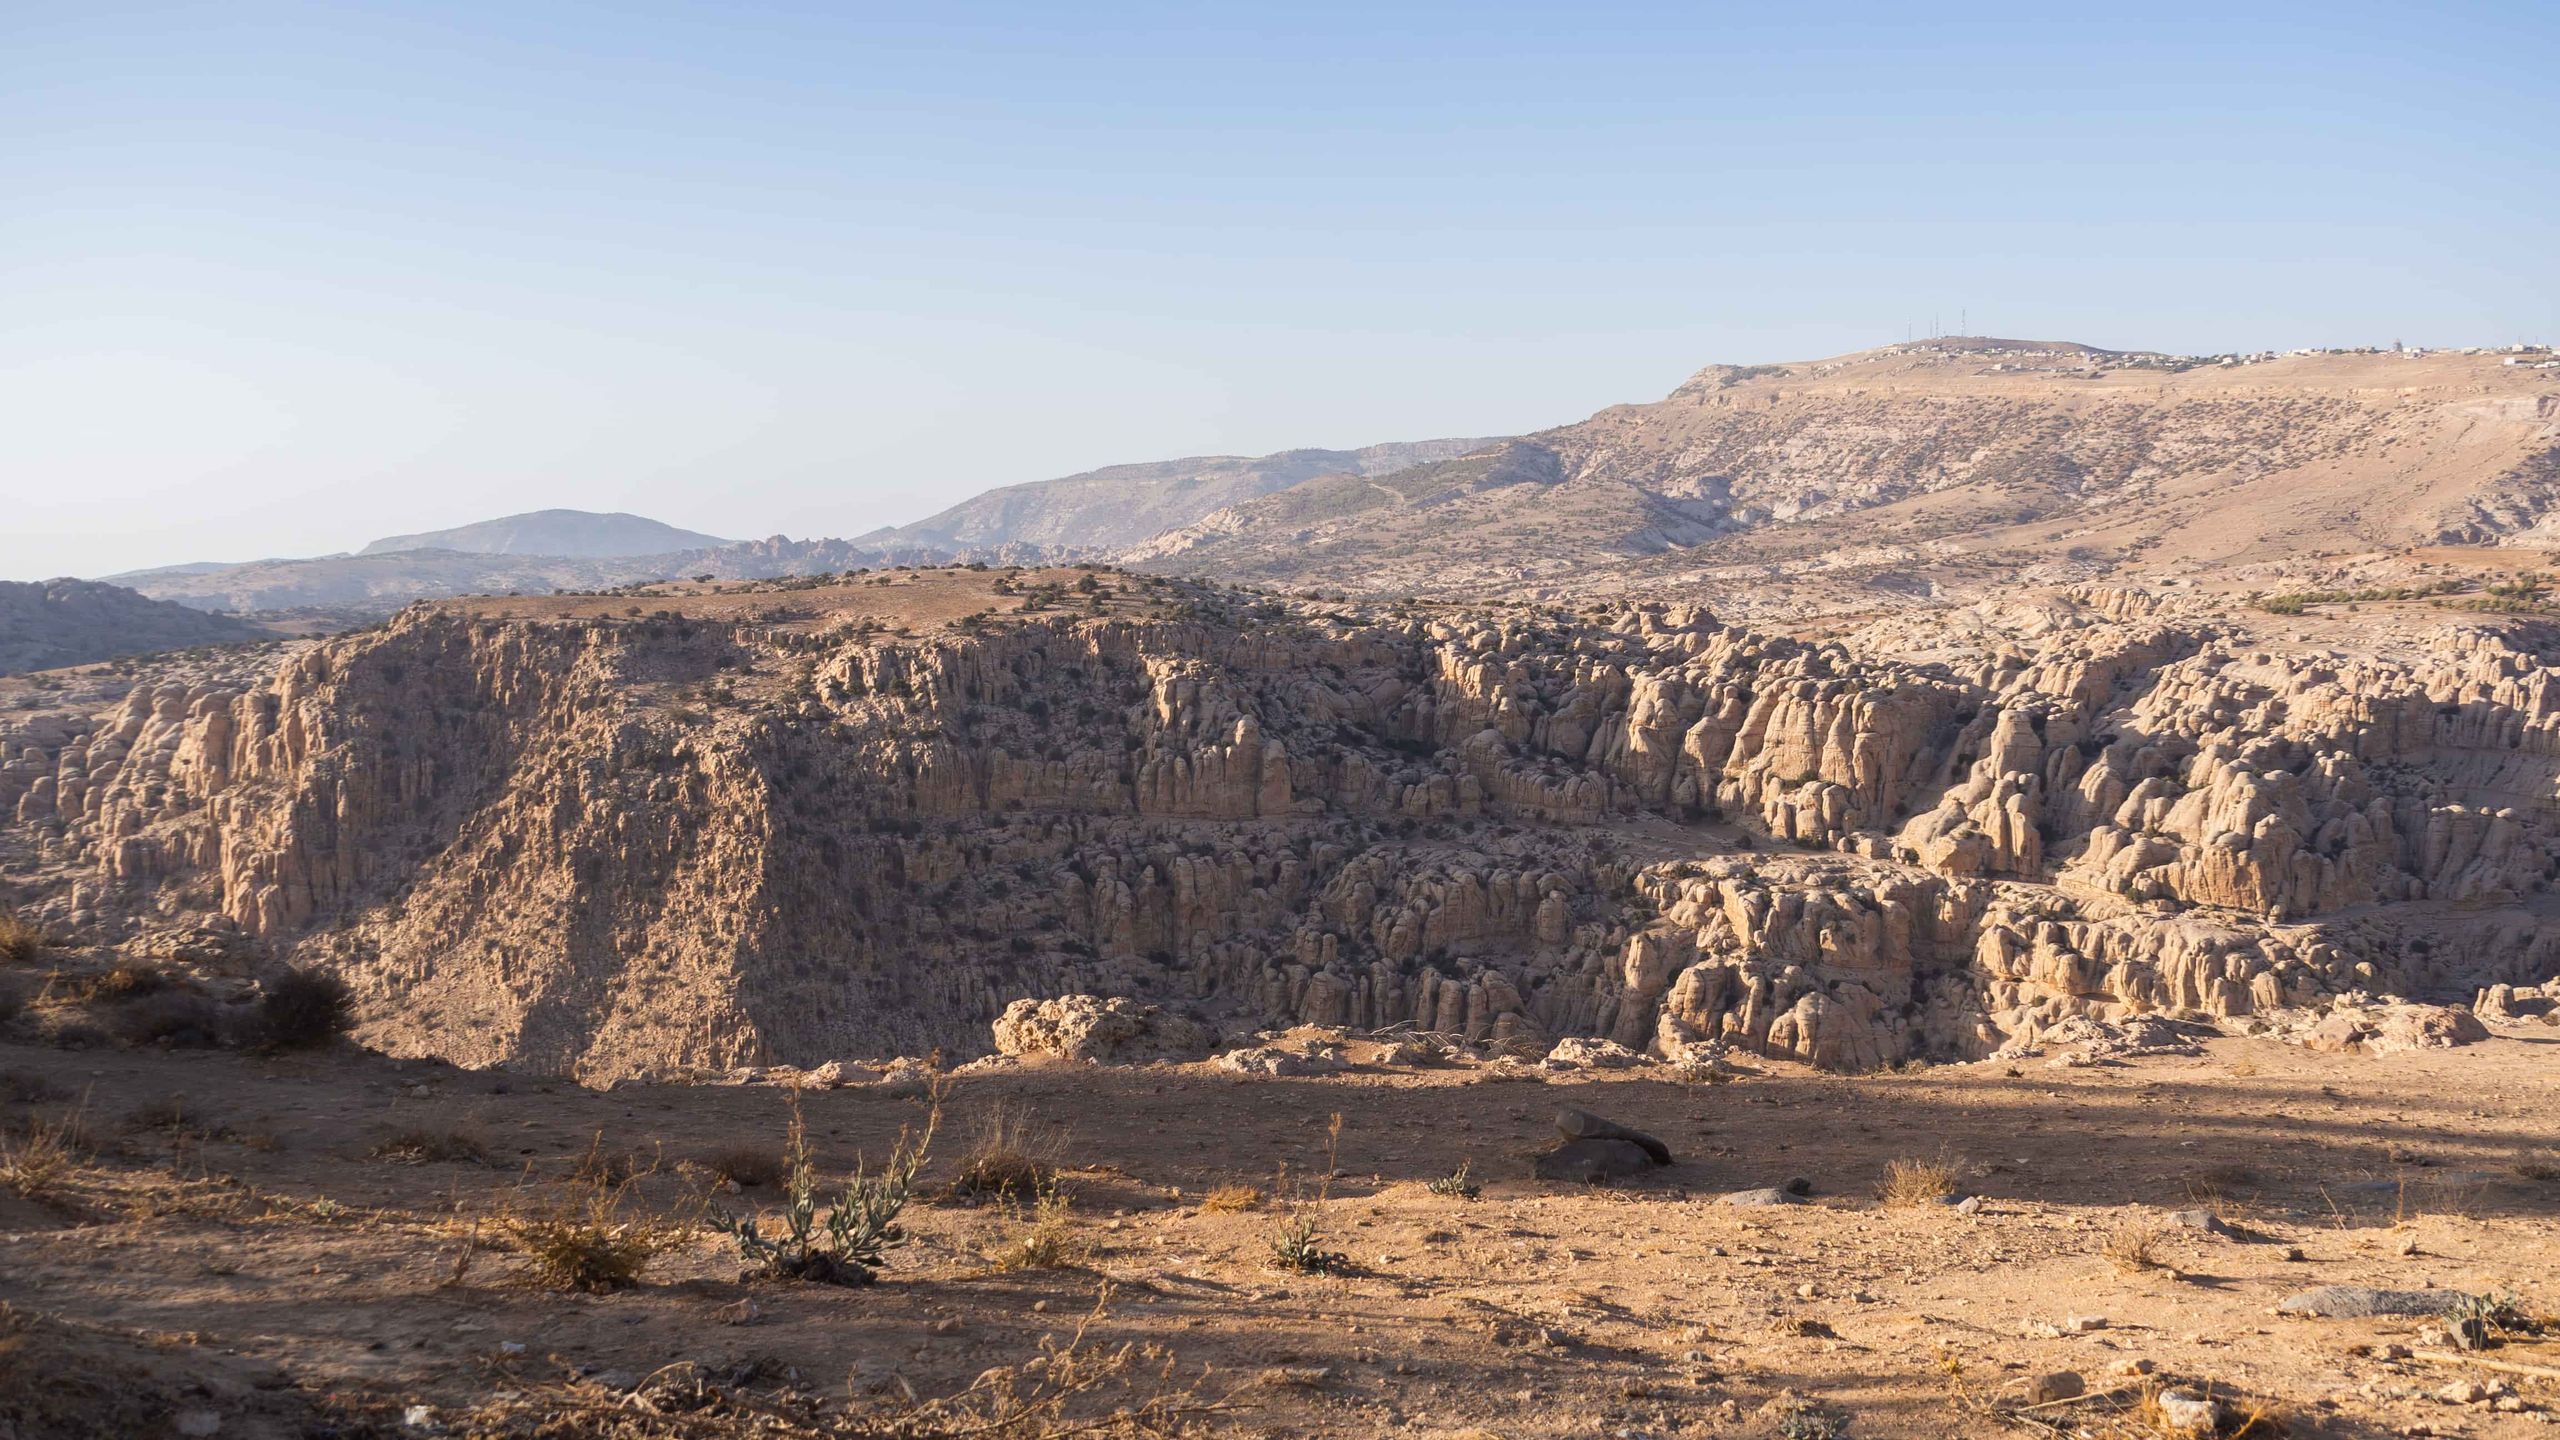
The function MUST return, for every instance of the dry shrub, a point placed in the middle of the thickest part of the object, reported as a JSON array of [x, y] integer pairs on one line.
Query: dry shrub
[[28, 1087], [1231, 1199], [591, 1236], [174, 1114], [172, 1018], [2540, 1169], [304, 1010], [1048, 1241], [21, 939], [1071, 1387], [2134, 1249], [1012, 1157], [2215, 1182], [424, 1145], [744, 1165], [1910, 1183], [39, 1164], [125, 981]]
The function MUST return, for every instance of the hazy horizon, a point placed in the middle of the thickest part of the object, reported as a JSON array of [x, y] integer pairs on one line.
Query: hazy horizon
[[282, 281]]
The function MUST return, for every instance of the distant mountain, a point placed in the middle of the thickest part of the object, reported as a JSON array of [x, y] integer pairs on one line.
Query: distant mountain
[[1963, 462], [569, 534], [46, 624], [368, 586], [1121, 505]]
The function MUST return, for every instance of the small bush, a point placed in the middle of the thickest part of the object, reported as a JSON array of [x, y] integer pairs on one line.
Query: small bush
[[173, 1018], [590, 1238], [1299, 1246], [848, 1239], [21, 939], [1457, 1184], [422, 1145], [1049, 1243], [2134, 1249], [744, 1166], [39, 1164], [304, 1010], [1012, 1158], [1231, 1199], [124, 982], [1910, 1183]]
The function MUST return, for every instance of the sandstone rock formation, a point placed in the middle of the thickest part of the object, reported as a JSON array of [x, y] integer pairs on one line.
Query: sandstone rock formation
[[569, 837], [1088, 1028]]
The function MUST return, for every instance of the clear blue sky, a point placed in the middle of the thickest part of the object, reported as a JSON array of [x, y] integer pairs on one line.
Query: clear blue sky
[[275, 279]]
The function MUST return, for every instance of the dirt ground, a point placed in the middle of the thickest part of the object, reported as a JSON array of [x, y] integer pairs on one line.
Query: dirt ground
[[236, 1252]]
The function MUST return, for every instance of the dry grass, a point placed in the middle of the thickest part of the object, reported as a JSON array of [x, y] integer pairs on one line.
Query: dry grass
[[1070, 1387], [39, 1164], [744, 1166], [1048, 1242], [1012, 1156], [590, 1237], [424, 1145], [1231, 1199], [21, 939], [1910, 1183], [2134, 1249], [2540, 1169]]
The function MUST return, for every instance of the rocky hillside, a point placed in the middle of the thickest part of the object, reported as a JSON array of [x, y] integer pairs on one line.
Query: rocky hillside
[[1123, 505], [50, 623], [371, 586], [574, 534], [608, 836], [1935, 467]]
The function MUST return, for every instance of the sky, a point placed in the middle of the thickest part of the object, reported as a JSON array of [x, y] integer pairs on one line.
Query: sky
[[279, 279]]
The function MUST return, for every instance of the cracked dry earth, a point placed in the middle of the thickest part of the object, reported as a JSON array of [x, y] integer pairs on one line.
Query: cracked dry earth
[[232, 1259]]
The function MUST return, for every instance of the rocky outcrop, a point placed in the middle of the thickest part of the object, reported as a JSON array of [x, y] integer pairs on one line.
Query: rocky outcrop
[[1117, 1031], [604, 843]]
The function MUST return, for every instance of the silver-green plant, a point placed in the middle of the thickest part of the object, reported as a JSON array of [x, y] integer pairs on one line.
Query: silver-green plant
[[844, 1239]]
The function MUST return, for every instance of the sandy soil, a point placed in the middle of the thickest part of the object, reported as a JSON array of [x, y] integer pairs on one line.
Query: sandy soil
[[235, 1252]]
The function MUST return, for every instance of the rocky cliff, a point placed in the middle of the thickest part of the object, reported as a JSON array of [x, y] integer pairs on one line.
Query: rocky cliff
[[581, 837]]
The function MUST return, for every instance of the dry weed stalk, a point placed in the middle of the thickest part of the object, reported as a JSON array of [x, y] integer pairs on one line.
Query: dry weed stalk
[[592, 1237]]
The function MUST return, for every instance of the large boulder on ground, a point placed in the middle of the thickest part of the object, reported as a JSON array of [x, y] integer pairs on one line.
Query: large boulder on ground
[[1593, 1162], [1583, 1125], [1273, 1060], [1596, 1151], [1115, 1031], [2392, 1029]]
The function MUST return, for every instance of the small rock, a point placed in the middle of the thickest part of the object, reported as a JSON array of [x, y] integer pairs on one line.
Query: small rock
[[2464, 1392], [2294, 1253], [1969, 1205], [738, 1312], [2131, 1368], [2190, 1413], [1770, 1195], [945, 1326], [2059, 1385], [2358, 1302], [1577, 1053], [2204, 1220], [2083, 1324], [197, 1423]]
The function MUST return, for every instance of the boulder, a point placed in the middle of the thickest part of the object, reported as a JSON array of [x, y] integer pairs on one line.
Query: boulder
[[1594, 1162], [2393, 1029], [1271, 1060], [1580, 1053], [1583, 1125], [1115, 1031]]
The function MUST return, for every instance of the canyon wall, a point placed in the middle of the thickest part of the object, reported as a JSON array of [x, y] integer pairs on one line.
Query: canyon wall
[[607, 845]]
